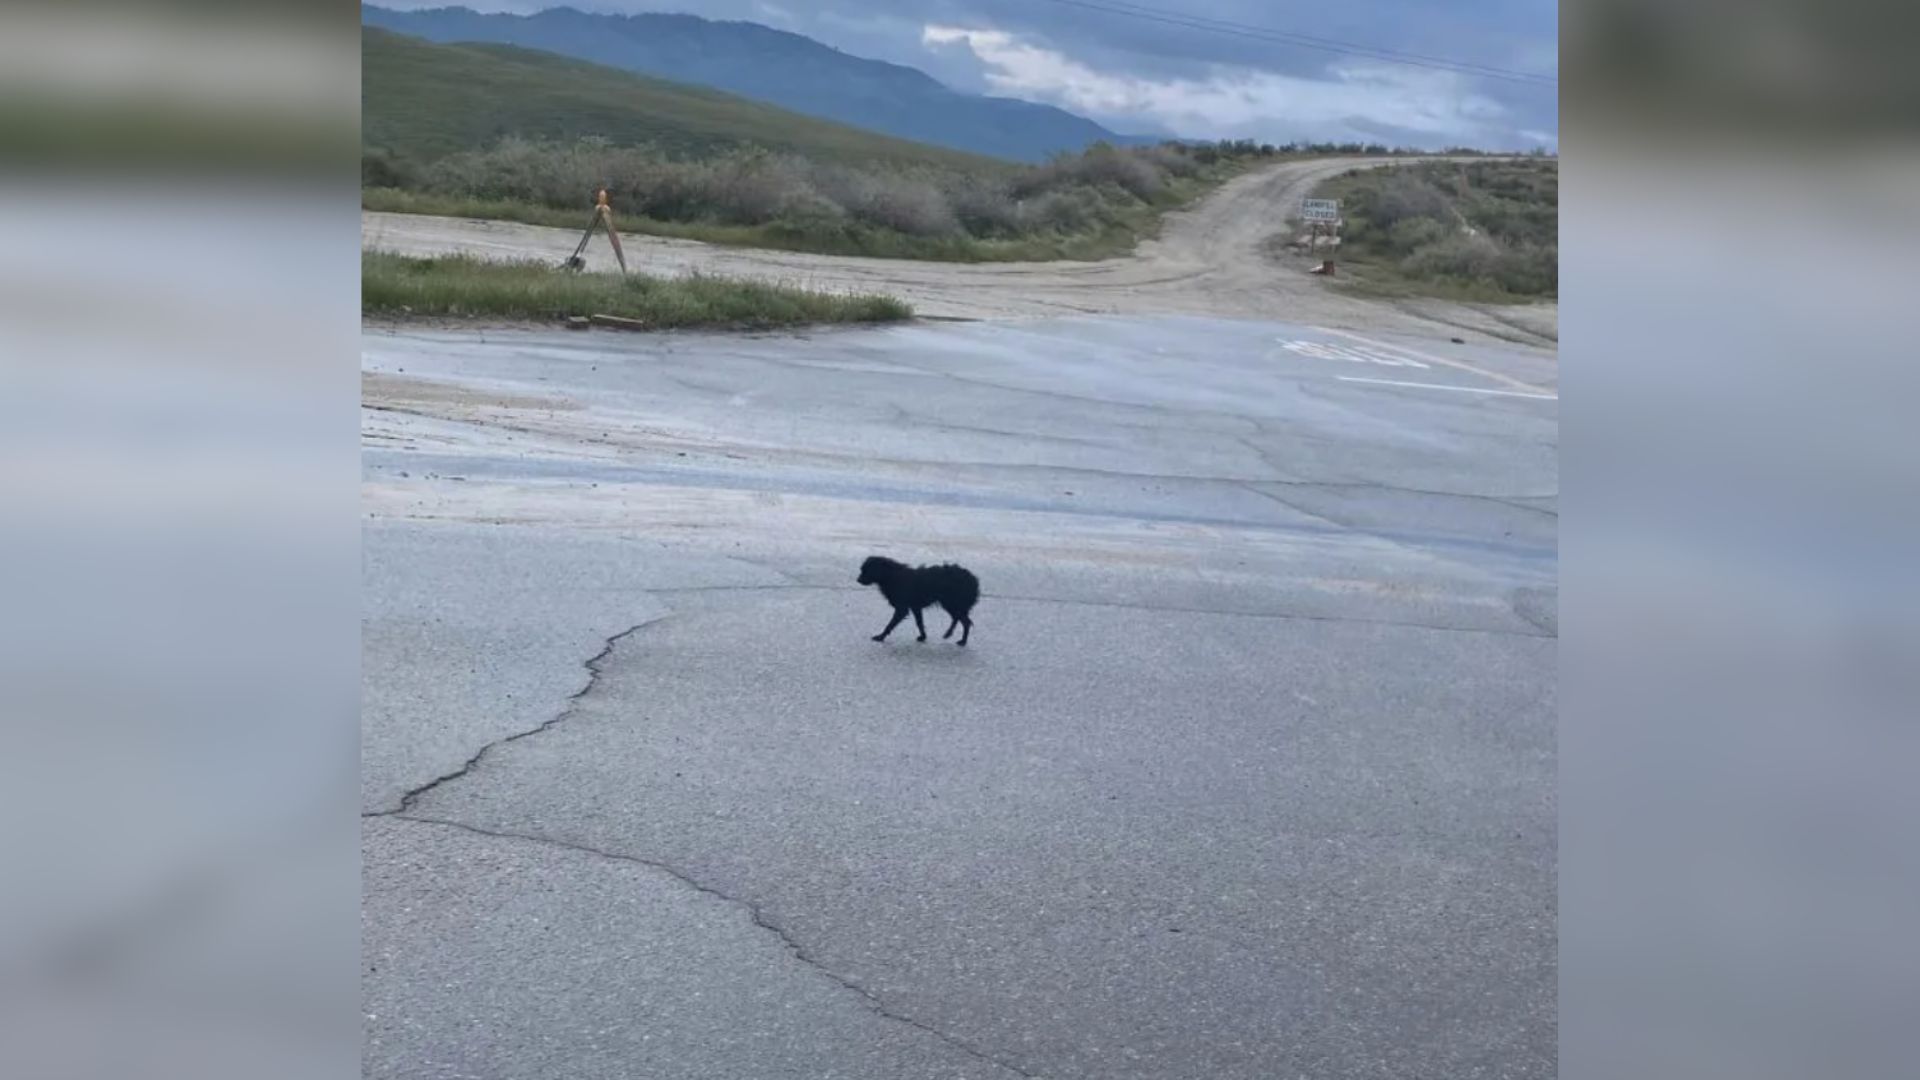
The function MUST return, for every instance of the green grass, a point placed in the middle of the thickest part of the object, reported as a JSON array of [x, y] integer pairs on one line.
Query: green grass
[[459, 286], [1481, 231], [425, 100]]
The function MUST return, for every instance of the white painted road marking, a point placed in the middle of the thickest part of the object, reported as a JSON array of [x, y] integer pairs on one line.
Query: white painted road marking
[[1324, 351], [1443, 386], [1526, 387]]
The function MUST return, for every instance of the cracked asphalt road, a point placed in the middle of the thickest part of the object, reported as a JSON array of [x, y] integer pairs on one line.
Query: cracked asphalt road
[[1249, 771]]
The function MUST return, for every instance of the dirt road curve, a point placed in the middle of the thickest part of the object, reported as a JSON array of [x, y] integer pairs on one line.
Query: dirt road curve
[[1208, 261]]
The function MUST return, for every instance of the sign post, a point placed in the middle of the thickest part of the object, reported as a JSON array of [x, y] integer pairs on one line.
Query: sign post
[[1318, 213]]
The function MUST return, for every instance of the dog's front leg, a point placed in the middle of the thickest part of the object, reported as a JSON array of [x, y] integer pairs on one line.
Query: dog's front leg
[[920, 624], [898, 614]]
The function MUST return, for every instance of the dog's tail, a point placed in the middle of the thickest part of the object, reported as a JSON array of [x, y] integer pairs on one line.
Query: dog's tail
[[966, 589]]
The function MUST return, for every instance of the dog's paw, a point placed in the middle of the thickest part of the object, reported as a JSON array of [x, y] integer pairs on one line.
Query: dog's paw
[[922, 639], [878, 637]]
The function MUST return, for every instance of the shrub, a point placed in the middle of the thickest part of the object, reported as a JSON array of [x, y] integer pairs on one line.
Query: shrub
[[809, 205], [1102, 164], [1492, 225], [1461, 256], [1062, 211], [380, 168], [985, 209], [1529, 271], [751, 189], [903, 204], [1411, 234], [1400, 196], [1515, 220], [1174, 159]]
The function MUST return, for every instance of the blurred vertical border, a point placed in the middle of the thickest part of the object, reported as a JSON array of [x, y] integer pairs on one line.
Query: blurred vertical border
[[1741, 479], [179, 562]]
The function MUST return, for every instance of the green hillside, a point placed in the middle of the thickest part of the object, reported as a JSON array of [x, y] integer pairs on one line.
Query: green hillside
[[422, 101], [502, 132]]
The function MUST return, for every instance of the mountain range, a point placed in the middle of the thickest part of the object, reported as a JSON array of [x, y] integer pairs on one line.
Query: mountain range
[[774, 66], [421, 101]]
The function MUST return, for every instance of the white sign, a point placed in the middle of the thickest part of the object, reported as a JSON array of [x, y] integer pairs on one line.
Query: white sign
[[1320, 211]]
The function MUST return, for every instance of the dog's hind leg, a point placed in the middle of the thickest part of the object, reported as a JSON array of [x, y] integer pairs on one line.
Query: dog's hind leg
[[966, 629], [951, 627], [898, 614], [921, 624]]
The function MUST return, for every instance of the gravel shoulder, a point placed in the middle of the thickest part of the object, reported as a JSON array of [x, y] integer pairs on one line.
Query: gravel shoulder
[[1208, 261]]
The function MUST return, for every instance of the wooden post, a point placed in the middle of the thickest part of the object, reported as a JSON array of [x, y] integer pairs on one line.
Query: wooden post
[[604, 210], [602, 218]]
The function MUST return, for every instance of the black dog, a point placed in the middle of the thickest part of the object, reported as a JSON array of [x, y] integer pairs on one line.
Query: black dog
[[912, 589]]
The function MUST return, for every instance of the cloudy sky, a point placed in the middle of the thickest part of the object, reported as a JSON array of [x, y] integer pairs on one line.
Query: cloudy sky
[[1146, 75]]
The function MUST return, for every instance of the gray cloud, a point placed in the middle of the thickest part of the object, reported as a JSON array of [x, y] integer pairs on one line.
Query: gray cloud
[[1144, 76]]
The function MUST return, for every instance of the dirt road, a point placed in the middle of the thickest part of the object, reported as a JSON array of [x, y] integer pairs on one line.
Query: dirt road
[[1207, 261]]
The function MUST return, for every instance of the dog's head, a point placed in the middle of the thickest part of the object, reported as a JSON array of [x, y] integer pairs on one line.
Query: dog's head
[[874, 569]]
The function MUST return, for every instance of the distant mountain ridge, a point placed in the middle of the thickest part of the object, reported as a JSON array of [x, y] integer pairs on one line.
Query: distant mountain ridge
[[775, 66], [421, 101]]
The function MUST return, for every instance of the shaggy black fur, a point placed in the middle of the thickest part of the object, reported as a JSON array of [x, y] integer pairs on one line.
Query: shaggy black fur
[[910, 588]]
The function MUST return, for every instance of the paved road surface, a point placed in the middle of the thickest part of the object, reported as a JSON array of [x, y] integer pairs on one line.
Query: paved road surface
[[1248, 772], [1208, 261]]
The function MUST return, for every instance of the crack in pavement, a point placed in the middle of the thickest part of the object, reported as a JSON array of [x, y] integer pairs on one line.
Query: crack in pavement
[[754, 914], [753, 911], [1503, 500], [1547, 619], [759, 919], [413, 795], [963, 500], [1270, 496], [679, 477], [943, 425], [1399, 540], [667, 438], [1155, 410]]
